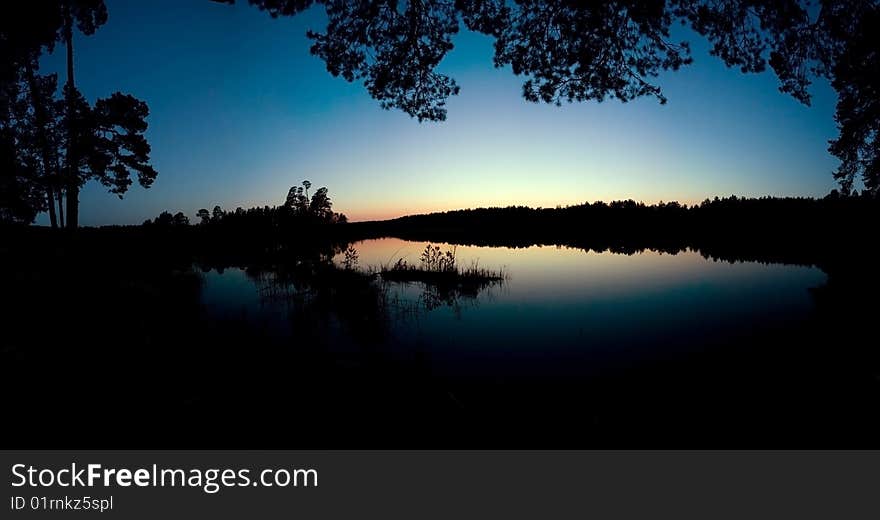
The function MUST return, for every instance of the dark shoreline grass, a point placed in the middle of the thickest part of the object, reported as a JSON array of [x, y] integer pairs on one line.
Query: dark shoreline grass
[[468, 276], [440, 269]]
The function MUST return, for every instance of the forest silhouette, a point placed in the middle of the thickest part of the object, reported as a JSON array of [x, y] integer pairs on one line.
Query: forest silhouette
[[107, 332]]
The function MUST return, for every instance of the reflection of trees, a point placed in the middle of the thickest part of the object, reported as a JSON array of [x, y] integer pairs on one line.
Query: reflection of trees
[[319, 295], [432, 296], [444, 281], [455, 296], [151, 325], [782, 230]]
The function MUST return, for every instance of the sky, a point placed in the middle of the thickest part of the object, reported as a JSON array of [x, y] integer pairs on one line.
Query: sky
[[240, 112]]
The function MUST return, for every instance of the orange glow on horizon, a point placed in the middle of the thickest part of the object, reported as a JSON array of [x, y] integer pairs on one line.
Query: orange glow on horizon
[[374, 213]]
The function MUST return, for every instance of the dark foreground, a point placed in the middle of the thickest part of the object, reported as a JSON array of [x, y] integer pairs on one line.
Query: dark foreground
[[106, 343]]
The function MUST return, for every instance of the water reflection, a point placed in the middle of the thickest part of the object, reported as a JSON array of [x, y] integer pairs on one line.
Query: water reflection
[[576, 348], [559, 274], [561, 311]]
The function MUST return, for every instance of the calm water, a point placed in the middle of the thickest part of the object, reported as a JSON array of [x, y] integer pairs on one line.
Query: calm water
[[561, 312]]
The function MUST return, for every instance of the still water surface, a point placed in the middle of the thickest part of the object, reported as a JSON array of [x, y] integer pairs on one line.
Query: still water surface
[[561, 311]]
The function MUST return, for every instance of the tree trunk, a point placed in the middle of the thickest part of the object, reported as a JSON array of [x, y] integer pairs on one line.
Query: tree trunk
[[60, 201], [41, 120], [50, 200], [72, 160], [60, 194]]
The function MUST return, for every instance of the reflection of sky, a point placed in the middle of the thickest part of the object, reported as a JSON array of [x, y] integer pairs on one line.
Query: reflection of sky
[[562, 309], [553, 274], [561, 302], [232, 296], [239, 112]]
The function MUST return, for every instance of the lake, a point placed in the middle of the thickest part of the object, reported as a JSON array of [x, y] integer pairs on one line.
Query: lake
[[559, 301], [624, 337]]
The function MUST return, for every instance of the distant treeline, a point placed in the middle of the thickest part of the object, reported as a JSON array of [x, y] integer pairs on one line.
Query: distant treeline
[[628, 219], [834, 229], [616, 225], [771, 229]]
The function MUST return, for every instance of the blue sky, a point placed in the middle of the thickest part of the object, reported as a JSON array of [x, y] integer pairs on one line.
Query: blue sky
[[240, 111]]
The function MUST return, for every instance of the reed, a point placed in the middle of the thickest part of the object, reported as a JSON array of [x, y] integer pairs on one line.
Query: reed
[[438, 267]]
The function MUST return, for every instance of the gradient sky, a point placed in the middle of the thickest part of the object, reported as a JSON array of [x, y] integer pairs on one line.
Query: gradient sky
[[240, 111]]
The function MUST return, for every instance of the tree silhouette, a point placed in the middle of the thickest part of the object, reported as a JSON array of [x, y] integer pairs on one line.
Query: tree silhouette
[[204, 216], [297, 212], [295, 199], [71, 140], [858, 107], [321, 206], [571, 51], [24, 30], [120, 147], [47, 136], [566, 50], [180, 219], [87, 16], [107, 142], [20, 195], [167, 220], [32, 137], [164, 219]]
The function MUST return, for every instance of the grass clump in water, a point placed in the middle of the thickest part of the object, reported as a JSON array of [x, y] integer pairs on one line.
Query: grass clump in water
[[440, 268]]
